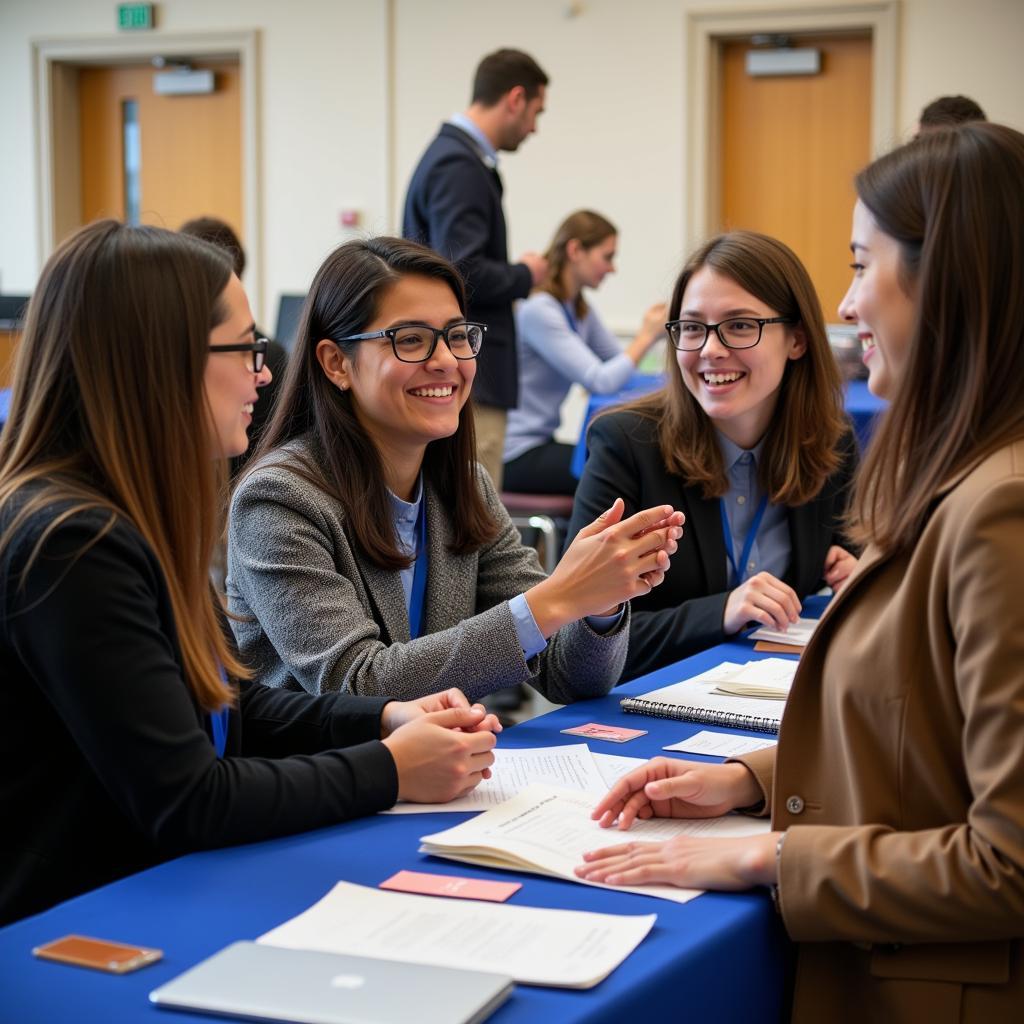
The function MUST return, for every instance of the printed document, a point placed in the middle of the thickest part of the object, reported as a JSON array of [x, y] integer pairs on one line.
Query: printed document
[[564, 948], [546, 831], [720, 744], [571, 766], [797, 634]]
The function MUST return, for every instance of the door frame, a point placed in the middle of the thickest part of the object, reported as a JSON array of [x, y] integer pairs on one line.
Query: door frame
[[55, 65], [705, 32]]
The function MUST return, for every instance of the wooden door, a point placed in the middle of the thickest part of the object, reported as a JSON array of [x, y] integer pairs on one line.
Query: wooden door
[[790, 148], [190, 147]]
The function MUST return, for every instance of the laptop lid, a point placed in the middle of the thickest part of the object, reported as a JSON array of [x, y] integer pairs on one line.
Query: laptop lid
[[272, 983]]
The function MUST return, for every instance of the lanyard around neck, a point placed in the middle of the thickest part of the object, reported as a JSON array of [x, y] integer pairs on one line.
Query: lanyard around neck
[[219, 722], [748, 544], [573, 325], [419, 576]]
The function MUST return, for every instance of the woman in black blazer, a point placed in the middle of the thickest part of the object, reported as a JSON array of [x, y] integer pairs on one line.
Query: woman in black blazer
[[129, 730], [748, 438]]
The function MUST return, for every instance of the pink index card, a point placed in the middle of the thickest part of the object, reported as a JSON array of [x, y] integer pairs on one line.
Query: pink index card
[[611, 733], [451, 885]]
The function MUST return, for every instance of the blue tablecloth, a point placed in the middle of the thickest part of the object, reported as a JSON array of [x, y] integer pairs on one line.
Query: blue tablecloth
[[862, 406], [5, 404], [719, 958]]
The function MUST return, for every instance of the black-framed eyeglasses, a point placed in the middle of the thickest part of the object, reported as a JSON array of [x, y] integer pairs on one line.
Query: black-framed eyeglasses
[[415, 343], [258, 348], [736, 332]]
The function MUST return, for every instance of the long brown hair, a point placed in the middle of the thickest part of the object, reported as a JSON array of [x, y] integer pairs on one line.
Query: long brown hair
[[802, 444], [342, 300], [109, 412], [589, 229], [954, 202]]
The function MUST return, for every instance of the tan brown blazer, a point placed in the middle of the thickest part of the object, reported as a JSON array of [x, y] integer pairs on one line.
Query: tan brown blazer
[[899, 775]]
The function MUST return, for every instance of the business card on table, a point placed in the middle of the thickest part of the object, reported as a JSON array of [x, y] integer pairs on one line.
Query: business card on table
[[451, 885], [611, 733]]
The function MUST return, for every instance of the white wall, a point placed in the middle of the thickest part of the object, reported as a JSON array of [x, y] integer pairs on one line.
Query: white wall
[[614, 136]]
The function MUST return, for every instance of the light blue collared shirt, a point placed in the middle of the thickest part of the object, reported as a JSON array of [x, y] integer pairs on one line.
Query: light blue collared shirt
[[531, 640], [772, 547], [472, 129]]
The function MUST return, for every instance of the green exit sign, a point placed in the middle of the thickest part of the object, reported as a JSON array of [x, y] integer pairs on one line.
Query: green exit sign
[[133, 17]]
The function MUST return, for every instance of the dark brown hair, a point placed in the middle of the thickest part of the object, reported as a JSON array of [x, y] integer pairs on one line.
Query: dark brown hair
[[947, 111], [953, 201], [589, 229], [502, 71], [342, 300], [801, 447], [217, 232], [109, 412]]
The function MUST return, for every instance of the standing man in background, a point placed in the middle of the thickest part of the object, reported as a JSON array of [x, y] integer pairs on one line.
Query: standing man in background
[[454, 206]]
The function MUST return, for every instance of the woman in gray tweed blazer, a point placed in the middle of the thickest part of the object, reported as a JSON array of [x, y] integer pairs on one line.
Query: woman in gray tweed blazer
[[368, 552]]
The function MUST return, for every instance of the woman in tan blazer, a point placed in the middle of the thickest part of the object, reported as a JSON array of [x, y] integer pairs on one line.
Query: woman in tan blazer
[[897, 788]]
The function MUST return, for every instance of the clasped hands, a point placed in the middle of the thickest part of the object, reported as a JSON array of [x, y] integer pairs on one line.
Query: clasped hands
[[671, 788]]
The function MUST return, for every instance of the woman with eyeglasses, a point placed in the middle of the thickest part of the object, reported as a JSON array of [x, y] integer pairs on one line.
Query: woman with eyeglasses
[[748, 438], [561, 342], [368, 551], [130, 730], [896, 791]]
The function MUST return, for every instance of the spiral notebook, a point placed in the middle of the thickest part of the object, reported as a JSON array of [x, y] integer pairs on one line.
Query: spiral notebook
[[702, 700]]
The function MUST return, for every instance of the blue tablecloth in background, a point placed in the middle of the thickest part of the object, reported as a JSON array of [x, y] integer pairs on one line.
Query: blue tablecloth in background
[[5, 404], [718, 958], [862, 406]]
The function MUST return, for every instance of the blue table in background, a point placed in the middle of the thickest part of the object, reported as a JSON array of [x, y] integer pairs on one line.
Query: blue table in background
[[718, 958], [5, 404], [862, 407]]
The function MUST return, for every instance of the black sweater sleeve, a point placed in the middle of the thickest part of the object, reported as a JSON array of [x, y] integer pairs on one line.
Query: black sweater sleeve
[[94, 631]]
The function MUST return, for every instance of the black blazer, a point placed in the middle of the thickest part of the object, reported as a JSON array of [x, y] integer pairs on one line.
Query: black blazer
[[684, 615], [454, 206], [106, 764]]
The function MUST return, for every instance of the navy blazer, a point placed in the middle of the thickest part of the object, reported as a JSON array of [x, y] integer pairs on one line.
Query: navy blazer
[[685, 614], [454, 206]]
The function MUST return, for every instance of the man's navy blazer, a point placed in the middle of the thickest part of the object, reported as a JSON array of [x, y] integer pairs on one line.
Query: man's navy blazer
[[454, 206]]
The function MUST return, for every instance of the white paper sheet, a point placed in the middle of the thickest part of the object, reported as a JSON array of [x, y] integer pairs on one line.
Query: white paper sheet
[[797, 634], [570, 766], [565, 948], [720, 744], [613, 766], [547, 831]]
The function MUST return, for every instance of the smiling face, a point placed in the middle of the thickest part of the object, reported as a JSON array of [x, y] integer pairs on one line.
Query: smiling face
[[405, 406], [229, 381], [590, 266], [877, 304], [736, 388]]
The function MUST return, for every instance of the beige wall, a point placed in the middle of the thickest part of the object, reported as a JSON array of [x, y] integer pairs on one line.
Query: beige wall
[[340, 79]]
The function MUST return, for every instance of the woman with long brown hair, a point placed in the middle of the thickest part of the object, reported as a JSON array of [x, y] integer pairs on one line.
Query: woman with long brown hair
[[748, 438], [896, 791], [367, 549], [561, 342], [131, 730]]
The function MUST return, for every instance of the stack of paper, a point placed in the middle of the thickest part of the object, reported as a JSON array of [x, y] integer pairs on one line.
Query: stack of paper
[[565, 948], [546, 831], [572, 766], [797, 634], [769, 678]]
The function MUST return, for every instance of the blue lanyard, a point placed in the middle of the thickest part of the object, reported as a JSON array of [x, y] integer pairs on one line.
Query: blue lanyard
[[219, 723], [748, 544], [573, 325], [419, 576]]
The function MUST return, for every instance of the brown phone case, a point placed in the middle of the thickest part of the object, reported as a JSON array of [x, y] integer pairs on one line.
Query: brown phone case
[[112, 957]]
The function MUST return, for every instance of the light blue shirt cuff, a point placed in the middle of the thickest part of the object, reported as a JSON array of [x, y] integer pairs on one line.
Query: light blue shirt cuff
[[605, 623], [530, 637]]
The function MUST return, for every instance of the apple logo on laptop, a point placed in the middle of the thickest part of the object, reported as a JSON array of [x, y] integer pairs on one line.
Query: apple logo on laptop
[[348, 981]]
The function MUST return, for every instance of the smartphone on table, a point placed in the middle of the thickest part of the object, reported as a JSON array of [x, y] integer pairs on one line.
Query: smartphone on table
[[101, 955]]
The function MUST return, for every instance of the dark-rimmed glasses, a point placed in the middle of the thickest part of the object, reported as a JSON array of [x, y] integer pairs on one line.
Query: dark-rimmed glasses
[[736, 332], [258, 348], [415, 343]]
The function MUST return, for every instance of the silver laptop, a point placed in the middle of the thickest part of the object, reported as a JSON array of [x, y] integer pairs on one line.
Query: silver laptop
[[258, 982]]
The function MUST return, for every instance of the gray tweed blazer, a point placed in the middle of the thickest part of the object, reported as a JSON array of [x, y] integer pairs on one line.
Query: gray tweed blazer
[[316, 614]]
